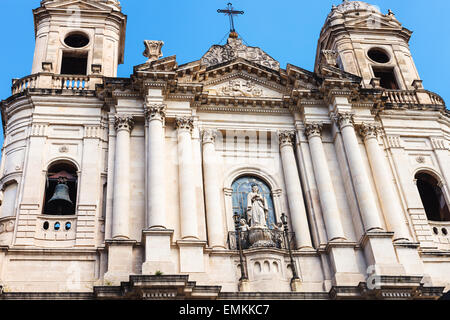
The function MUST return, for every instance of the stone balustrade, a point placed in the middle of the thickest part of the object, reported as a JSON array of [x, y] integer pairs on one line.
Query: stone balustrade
[[412, 97], [56, 81]]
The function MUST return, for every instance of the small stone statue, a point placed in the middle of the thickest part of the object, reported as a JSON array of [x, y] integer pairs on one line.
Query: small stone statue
[[257, 209]]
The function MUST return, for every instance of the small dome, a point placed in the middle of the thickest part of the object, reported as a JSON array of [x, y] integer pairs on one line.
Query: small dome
[[349, 6]]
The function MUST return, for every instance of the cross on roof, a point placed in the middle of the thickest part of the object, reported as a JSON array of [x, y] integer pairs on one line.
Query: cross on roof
[[231, 13]]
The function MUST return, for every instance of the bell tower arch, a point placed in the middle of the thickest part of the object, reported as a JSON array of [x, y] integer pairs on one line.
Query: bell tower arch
[[83, 37]]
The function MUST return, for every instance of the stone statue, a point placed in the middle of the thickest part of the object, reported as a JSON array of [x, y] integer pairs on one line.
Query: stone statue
[[257, 209]]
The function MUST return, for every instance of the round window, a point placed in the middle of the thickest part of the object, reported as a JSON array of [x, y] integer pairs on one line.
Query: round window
[[76, 40], [378, 55]]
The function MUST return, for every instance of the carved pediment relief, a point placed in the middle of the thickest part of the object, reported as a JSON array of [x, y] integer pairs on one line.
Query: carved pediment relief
[[242, 87], [234, 49]]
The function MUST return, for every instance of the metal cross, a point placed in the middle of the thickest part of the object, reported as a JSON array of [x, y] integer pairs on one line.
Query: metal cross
[[230, 12]]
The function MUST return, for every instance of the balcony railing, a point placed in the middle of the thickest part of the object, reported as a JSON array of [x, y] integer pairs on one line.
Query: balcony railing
[[412, 98], [56, 81]]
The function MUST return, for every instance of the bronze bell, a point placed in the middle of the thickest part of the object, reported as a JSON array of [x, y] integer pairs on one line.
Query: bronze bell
[[60, 202]]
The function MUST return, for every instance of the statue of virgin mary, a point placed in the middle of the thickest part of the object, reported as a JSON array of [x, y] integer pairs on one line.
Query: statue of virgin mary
[[257, 208]]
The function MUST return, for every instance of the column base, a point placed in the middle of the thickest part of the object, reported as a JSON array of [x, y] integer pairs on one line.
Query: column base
[[408, 256], [344, 263], [244, 286], [296, 285], [158, 258], [380, 254], [120, 261], [191, 256]]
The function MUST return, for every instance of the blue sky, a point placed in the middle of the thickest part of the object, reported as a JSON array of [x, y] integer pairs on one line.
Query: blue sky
[[288, 30]]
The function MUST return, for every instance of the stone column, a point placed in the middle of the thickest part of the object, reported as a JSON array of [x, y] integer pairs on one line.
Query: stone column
[[121, 202], [294, 191], [155, 115], [188, 209], [383, 182], [366, 200], [213, 199], [327, 195]]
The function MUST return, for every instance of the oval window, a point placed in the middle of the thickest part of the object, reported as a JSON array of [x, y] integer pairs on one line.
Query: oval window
[[76, 40], [68, 225], [57, 226], [378, 55], [46, 225]]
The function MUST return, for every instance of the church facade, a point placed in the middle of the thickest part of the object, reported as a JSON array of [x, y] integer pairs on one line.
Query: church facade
[[228, 177]]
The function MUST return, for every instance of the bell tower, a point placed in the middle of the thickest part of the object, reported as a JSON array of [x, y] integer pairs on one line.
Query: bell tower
[[369, 44], [83, 37]]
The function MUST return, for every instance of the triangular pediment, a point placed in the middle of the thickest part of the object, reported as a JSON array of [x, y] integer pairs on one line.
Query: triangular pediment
[[79, 4]]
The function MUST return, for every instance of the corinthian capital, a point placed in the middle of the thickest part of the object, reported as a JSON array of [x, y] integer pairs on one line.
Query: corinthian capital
[[344, 119], [155, 112], [184, 123], [286, 138], [313, 129], [209, 136], [123, 122], [368, 131]]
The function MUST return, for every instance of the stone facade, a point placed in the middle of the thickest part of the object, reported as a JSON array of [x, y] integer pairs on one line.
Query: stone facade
[[159, 163]]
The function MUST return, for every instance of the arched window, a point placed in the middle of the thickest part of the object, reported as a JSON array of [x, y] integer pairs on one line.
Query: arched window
[[432, 197], [8, 207], [61, 189], [242, 187]]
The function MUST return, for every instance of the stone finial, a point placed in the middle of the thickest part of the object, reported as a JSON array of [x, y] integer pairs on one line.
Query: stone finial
[[330, 57], [313, 129], [153, 50]]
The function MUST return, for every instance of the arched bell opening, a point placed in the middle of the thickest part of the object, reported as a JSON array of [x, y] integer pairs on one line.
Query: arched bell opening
[[61, 189], [433, 198]]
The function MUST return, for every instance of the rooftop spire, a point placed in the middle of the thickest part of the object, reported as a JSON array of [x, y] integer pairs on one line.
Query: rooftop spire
[[229, 11]]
